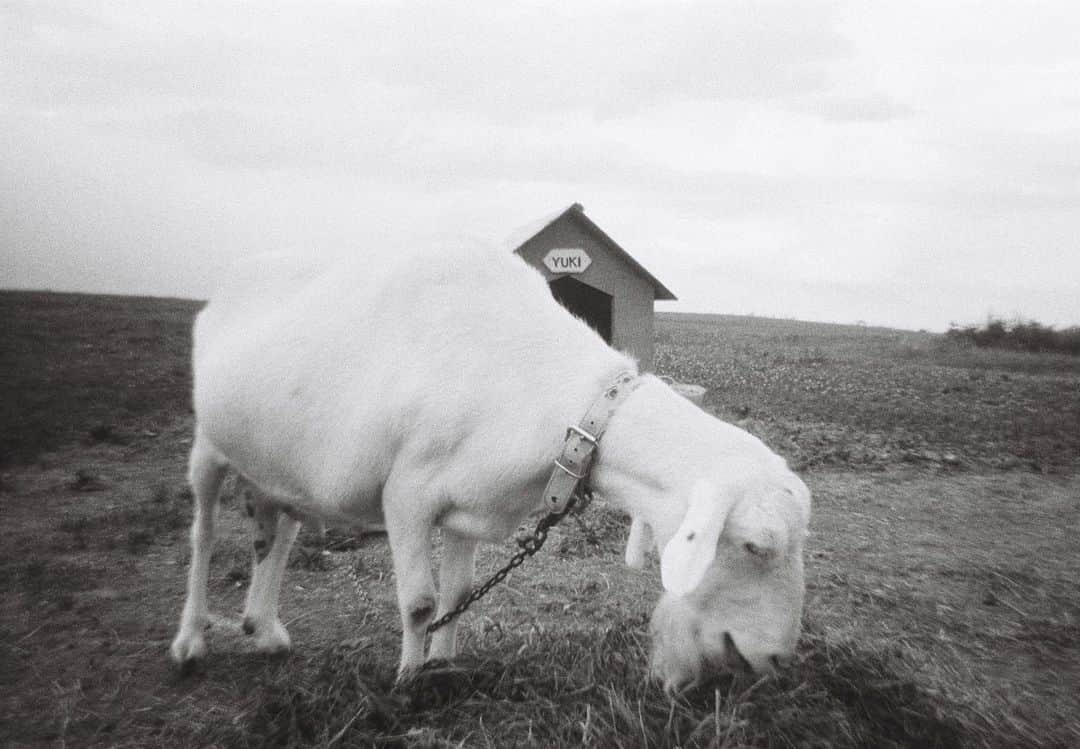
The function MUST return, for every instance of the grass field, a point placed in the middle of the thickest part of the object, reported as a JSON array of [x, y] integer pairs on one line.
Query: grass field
[[942, 606]]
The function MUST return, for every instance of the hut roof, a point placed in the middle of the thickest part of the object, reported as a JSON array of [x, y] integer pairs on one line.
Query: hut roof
[[576, 213]]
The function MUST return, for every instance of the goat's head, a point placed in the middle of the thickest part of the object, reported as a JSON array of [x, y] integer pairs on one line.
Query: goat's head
[[733, 576]]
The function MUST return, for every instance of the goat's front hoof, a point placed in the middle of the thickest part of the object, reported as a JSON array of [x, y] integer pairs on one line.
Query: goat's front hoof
[[270, 637], [187, 649]]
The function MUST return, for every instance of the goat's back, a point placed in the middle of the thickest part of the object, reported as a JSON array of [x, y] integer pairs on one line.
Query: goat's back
[[310, 380]]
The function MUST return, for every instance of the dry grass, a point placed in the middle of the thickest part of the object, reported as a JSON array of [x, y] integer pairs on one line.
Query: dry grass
[[869, 398], [589, 687], [94, 368]]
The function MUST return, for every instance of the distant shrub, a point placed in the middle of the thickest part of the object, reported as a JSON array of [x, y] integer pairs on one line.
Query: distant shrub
[[1018, 335]]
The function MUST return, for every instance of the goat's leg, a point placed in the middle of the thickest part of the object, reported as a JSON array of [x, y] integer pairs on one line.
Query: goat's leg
[[409, 533], [273, 534], [637, 545], [263, 518], [206, 470], [455, 584]]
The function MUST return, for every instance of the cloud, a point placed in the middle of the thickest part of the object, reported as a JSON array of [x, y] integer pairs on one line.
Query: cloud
[[609, 59], [859, 108], [505, 61], [827, 156]]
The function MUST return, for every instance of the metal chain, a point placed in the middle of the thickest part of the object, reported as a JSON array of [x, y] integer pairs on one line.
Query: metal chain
[[529, 546]]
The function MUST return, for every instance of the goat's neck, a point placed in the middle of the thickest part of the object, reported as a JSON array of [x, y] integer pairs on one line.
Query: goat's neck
[[647, 456]]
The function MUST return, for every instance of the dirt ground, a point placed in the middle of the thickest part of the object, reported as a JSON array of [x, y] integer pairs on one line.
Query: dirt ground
[[942, 606], [970, 578]]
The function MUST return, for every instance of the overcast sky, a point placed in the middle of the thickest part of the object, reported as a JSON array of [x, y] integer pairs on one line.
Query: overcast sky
[[907, 164]]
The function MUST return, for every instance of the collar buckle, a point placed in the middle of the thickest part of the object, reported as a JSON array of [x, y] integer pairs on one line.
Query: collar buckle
[[573, 429], [579, 447]]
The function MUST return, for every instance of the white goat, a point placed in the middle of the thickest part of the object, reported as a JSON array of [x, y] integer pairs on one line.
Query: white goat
[[437, 391]]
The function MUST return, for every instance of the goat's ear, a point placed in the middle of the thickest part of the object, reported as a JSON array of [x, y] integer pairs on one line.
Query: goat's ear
[[692, 549]]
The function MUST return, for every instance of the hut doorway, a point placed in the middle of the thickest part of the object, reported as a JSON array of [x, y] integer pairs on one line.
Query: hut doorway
[[591, 305]]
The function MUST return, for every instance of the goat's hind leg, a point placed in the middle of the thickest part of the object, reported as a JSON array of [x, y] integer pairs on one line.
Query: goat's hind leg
[[273, 534], [206, 470]]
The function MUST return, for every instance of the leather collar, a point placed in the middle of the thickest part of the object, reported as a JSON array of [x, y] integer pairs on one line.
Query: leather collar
[[579, 450]]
